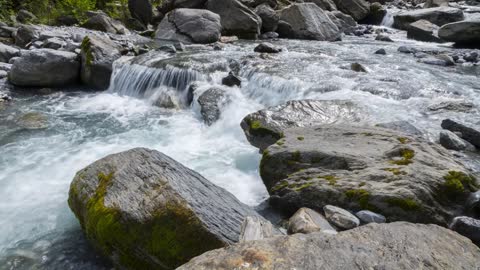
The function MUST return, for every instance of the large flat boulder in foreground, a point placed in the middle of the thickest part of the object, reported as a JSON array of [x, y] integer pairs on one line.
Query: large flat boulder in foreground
[[464, 32], [397, 245], [438, 16], [144, 210], [364, 168]]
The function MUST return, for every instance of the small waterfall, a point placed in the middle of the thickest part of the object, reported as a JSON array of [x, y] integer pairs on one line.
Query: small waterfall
[[169, 84], [388, 19]]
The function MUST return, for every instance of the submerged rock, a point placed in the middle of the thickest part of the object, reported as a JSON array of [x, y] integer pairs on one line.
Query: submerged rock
[[190, 26], [468, 134], [308, 21], [464, 32], [33, 120], [357, 67], [363, 168], [45, 68], [397, 245], [265, 127], [381, 52], [266, 47], [210, 103], [144, 210], [438, 16], [306, 220], [468, 227]]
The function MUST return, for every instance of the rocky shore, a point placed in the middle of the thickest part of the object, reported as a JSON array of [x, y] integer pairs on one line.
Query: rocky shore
[[344, 190]]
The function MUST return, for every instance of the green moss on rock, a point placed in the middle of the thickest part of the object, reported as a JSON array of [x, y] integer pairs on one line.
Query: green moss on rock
[[257, 129], [458, 182], [405, 204], [362, 196], [406, 157], [395, 171]]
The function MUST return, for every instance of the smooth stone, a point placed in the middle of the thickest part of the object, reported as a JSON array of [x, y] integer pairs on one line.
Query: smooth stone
[[256, 228], [340, 217], [210, 103], [266, 47], [381, 52], [468, 134], [306, 220], [451, 141], [232, 80], [366, 217], [468, 227]]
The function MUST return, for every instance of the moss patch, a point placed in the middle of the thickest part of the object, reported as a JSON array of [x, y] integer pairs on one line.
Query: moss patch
[[405, 204], [362, 196], [331, 179], [458, 182], [403, 140], [300, 138], [406, 157], [395, 171], [257, 129]]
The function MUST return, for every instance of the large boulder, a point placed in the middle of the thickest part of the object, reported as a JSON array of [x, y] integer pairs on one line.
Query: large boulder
[[141, 10], [144, 210], [308, 21], [465, 32], [424, 30], [438, 16], [8, 52], [98, 54], [265, 127], [169, 5], [101, 22], [397, 245], [344, 22], [236, 18], [25, 34], [324, 4], [269, 18], [358, 9], [467, 133], [190, 26], [45, 68], [436, 3], [363, 168], [211, 102]]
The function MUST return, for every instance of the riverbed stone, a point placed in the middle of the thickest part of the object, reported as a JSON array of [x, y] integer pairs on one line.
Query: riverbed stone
[[269, 18], [190, 26], [358, 9], [366, 216], [143, 209], [467, 133], [396, 245], [468, 227], [306, 220], [25, 34], [211, 102], [344, 22], [256, 228], [45, 68], [451, 141], [324, 4], [266, 126], [8, 52], [424, 30], [102, 22], [464, 32], [231, 80], [98, 54], [341, 217], [364, 168], [236, 18], [308, 21], [266, 47], [438, 16]]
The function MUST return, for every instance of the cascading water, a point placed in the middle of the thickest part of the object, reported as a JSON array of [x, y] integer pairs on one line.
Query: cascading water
[[36, 166], [388, 18]]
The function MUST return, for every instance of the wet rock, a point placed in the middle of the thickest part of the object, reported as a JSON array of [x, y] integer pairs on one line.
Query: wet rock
[[362, 168], [266, 47], [167, 48], [33, 120], [366, 217], [3, 74], [132, 201], [236, 18], [454, 106], [25, 16], [5, 67], [167, 100], [285, 30], [451, 141], [376, 15], [306, 220], [357, 67], [465, 32], [141, 10], [5, 97], [269, 18], [358, 9], [407, 49], [436, 3], [402, 126], [45, 68], [256, 228], [7, 31], [190, 26], [468, 227], [308, 21], [439, 60], [266, 127], [473, 205], [101, 22], [8, 52], [381, 52], [344, 22], [98, 54], [324, 4], [231, 80], [25, 34], [54, 43], [468, 134], [471, 57], [211, 102], [397, 245], [424, 31], [340, 217], [438, 16], [385, 38], [269, 35]]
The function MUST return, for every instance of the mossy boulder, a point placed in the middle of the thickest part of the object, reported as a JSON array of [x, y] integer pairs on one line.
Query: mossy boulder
[[365, 168], [144, 210]]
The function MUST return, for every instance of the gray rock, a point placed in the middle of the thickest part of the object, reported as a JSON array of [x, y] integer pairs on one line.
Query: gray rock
[[453, 105], [266, 127], [344, 22], [266, 47], [7, 31], [407, 49], [211, 102], [402, 126], [376, 15], [101, 22], [169, 5], [381, 51], [269, 18], [436, 3], [438, 16], [424, 30], [324, 4], [306, 220], [45, 68], [236, 18], [357, 67], [142, 206], [141, 10], [358, 9], [473, 205], [438, 60], [5, 67], [468, 134], [256, 228], [383, 37], [340, 217], [232, 80], [465, 32], [397, 245], [451, 141], [308, 21], [3, 74], [168, 48], [468, 227], [25, 16], [269, 35], [25, 34], [366, 217], [190, 26], [98, 54], [54, 43], [363, 168], [8, 52], [285, 30]]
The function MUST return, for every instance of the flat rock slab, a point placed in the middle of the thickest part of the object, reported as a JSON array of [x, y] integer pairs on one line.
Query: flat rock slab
[[438, 16], [365, 168], [397, 245]]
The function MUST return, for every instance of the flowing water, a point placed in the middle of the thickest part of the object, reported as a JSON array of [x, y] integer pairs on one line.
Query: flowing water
[[38, 231]]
